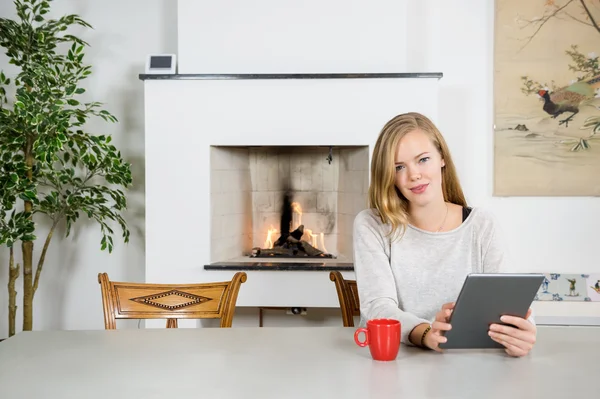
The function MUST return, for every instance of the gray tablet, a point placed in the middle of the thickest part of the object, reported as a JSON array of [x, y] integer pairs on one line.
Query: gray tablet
[[482, 300]]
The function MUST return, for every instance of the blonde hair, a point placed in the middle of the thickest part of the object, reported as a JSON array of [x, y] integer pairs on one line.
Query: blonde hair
[[384, 196]]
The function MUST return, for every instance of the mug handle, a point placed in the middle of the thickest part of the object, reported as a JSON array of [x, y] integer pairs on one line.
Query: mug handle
[[361, 343]]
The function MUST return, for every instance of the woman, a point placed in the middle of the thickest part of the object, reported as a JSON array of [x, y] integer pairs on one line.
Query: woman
[[418, 241]]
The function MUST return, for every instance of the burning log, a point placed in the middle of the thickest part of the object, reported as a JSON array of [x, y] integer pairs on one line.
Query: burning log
[[295, 235], [303, 249], [290, 245], [298, 233]]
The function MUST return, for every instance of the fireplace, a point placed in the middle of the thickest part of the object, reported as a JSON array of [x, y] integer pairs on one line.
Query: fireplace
[[286, 203], [213, 192]]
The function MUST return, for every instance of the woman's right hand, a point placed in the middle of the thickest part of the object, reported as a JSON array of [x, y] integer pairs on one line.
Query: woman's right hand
[[434, 337]]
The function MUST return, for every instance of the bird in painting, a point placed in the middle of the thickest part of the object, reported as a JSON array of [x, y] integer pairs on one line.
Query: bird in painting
[[570, 98]]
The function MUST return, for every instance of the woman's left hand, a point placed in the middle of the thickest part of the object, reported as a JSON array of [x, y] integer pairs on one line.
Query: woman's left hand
[[517, 340]]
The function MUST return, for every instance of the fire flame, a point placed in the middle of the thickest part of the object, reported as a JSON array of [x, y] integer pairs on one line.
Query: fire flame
[[322, 248], [296, 215], [269, 240], [312, 238]]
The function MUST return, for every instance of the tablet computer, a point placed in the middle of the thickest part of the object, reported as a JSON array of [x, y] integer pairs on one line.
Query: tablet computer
[[480, 303]]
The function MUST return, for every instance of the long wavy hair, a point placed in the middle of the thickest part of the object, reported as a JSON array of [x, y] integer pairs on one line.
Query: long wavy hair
[[384, 196]]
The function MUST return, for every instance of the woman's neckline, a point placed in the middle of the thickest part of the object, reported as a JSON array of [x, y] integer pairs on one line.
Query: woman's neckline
[[448, 232]]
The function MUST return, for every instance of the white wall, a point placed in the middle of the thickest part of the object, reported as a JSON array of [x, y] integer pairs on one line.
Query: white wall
[[268, 36], [124, 32]]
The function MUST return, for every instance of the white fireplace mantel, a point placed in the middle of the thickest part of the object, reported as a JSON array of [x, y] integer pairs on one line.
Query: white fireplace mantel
[[186, 114]]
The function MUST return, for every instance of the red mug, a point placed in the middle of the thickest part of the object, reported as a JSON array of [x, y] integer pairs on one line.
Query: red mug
[[383, 338]]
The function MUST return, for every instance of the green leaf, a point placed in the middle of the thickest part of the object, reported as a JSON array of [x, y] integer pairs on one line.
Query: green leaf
[[72, 102], [30, 195]]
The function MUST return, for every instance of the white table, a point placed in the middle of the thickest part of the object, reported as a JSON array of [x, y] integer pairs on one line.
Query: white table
[[306, 363]]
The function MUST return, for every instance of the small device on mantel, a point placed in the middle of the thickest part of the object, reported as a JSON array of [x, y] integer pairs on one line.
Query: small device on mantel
[[161, 64]]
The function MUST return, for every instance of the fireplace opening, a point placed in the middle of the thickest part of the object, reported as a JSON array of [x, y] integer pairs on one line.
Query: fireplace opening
[[295, 240], [293, 204]]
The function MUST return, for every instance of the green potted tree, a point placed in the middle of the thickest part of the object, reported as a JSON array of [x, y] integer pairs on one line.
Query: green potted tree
[[50, 166]]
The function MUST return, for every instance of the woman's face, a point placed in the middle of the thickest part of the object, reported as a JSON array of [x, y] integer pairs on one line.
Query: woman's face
[[418, 169]]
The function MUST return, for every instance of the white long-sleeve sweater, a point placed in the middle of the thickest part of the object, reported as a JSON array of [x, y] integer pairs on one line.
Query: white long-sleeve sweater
[[409, 279]]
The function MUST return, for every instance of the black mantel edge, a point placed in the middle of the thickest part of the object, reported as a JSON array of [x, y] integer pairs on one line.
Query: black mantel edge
[[257, 76], [280, 266]]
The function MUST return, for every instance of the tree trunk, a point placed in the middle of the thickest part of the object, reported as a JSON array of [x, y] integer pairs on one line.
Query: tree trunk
[[27, 286], [28, 251], [13, 274], [38, 270]]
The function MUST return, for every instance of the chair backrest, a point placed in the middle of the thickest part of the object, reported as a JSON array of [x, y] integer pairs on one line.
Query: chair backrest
[[347, 291], [122, 300]]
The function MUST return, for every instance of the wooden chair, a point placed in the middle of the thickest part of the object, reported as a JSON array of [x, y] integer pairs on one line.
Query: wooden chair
[[123, 300], [347, 291]]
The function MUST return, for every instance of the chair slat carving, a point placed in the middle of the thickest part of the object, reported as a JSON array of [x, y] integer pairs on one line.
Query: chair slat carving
[[347, 291], [122, 300]]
